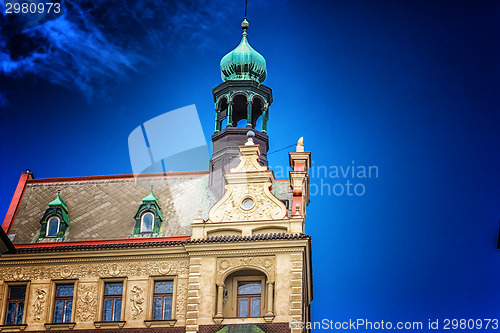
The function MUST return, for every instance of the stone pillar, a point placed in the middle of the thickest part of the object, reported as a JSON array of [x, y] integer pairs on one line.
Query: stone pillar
[[296, 284], [270, 298], [193, 300], [220, 295]]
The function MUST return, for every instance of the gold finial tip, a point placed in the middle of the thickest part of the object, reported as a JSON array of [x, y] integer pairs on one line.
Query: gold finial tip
[[245, 24]]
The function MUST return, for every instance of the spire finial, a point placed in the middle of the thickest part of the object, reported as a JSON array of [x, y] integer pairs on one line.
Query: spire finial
[[151, 187], [250, 135], [58, 191], [245, 24], [300, 145]]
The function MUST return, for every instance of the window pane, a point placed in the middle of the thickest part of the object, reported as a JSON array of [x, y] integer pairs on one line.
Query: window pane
[[157, 308], [255, 308], [164, 287], [58, 311], [114, 288], [17, 292], [147, 223], [106, 313], [52, 227], [64, 290], [118, 309], [11, 309], [242, 307], [19, 312], [167, 308], [67, 311], [249, 288]]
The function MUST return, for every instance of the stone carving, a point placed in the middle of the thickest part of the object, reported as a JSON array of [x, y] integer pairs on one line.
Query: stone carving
[[137, 301], [92, 270], [87, 302], [264, 205], [266, 264], [66, 272], [180, 307], [248, 196], [39, 305]]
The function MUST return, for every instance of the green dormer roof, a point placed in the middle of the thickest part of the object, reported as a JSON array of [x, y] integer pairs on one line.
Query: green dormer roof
[[59, 202], [243, 63], [151, 196]]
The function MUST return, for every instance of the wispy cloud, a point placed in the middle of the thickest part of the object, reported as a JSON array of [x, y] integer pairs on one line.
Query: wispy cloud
[[95, 43]]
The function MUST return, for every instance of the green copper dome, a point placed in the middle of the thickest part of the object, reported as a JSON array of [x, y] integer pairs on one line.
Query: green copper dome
[[243, 63]]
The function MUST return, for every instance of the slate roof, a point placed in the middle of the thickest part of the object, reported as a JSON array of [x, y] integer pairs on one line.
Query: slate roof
[[103, 207]]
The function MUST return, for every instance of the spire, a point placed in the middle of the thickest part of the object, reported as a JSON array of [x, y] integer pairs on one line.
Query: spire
[[243, 63], [58, 201], [151, 196]]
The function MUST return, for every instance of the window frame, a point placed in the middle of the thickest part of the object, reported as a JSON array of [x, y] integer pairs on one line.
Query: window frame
[[163, 295], [234, 297], [6, 291], [141, 231], [150, 299], [54, 298], [48, 226], [249, 298], [102, 293]]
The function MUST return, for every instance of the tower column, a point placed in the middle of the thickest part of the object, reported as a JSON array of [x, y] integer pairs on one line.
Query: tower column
[[264, 120], [249, 114], [217, 120], [230, 114]]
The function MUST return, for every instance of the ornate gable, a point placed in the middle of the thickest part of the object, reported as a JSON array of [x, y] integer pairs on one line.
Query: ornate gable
[[248, 194]]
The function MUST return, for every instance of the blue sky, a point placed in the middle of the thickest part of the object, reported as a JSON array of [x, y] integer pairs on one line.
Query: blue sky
[[409, 87]]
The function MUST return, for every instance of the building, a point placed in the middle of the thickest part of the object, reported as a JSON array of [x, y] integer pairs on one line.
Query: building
[[222, 250]]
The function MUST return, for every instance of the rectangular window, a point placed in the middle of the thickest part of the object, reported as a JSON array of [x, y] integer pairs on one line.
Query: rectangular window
[[162, 300], [249, 294], [112, 301], [15, 305], [63, 303]]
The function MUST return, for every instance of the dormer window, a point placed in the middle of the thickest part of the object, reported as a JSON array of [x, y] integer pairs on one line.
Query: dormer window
[[55, 221], [147, 222], [52, 226], [148, 218]]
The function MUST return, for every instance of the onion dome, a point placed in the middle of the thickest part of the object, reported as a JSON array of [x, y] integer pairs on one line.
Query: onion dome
[[243, 63]]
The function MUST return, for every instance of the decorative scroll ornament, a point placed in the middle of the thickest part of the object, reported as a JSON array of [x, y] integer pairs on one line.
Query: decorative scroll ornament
[[248, 196], [39, 305], [137, 301], [87, 302], [265, 264]]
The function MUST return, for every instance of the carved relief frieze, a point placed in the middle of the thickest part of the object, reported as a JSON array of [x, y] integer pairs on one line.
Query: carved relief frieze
[[180, 307], [39, 304], [87, 302], [266, 264], [93, 270]]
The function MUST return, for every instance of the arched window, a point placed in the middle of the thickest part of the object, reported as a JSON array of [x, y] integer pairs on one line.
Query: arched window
[[147, 222], [52, 226], [249, 295]]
